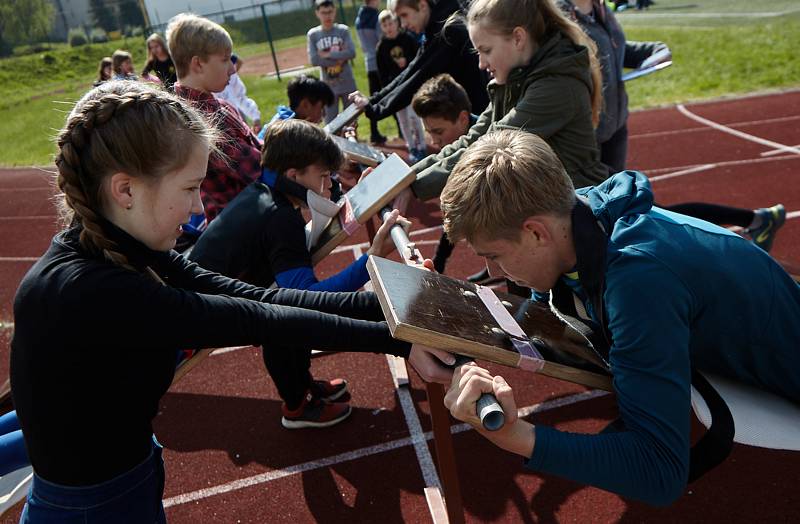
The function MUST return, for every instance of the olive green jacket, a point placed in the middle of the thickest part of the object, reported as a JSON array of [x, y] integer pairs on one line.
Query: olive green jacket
[[550, 97]]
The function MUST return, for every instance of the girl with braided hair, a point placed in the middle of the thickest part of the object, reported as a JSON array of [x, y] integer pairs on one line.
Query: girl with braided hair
[[130, 162]]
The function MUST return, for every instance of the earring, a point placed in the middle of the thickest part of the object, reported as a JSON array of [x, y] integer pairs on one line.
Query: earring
[[129, 206]]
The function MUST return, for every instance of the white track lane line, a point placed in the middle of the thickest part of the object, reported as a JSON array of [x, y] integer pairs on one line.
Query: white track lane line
[[729, 163], [424, 458], [743, 123], [746, 136], [775, 151], [683, 172], [361, 453]]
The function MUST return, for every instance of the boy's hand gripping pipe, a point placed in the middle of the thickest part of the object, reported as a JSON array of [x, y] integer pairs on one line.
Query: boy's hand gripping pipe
[[488, 409]]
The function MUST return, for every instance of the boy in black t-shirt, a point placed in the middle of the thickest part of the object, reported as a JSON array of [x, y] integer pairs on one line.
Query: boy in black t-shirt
[[396, 49], [305, 154]]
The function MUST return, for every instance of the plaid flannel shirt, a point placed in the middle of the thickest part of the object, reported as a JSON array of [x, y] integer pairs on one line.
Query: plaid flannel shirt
[[226, 176]]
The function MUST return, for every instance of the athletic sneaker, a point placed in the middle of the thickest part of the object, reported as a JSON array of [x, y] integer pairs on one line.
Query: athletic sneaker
[[315, 412], [772, 218], [331, 390]]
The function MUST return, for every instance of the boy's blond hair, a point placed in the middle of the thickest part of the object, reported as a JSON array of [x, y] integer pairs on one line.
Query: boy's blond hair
[[500, 180], [386, 15], [190, 35]]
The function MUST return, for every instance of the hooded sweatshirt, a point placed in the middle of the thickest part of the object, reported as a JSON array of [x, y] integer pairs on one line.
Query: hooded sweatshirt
[[443, 49], [676, 292], [550, 97]]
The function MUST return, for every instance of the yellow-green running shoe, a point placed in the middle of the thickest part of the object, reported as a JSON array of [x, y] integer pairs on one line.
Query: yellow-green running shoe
[[772, 218]]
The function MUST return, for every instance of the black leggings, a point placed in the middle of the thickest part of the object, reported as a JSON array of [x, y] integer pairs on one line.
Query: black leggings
[[715, 213], [614, 151]]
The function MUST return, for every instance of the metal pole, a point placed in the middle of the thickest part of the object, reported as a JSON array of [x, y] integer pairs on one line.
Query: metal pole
[[342, 13], [269, 38]]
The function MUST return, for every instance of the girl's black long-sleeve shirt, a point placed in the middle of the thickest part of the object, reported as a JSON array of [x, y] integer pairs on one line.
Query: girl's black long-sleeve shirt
[[95, 344]]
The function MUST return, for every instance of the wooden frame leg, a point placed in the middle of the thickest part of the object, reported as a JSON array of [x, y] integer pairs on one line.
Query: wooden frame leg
[[445, 456], [436, 506]]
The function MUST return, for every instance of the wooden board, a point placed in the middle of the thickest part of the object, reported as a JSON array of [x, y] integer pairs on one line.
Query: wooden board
[[431, 309], [366, 199], [358, 152], [343, 119]]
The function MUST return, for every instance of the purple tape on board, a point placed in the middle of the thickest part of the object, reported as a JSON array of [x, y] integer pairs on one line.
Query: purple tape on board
[[529, 358]]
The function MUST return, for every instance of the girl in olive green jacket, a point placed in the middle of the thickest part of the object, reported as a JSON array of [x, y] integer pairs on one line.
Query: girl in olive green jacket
[[546, 81]]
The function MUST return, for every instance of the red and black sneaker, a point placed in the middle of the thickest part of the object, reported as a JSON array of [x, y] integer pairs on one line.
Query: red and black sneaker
[[331, 390], [315, 412]]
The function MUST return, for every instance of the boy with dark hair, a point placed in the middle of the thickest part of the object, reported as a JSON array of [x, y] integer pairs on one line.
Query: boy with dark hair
[[444, 108], [666, 297], [368, 30], [308, 97], [331, 48], [261, 239]]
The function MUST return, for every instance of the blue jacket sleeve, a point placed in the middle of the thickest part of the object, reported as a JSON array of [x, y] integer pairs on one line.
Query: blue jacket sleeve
[[351, 278], [649, 313]]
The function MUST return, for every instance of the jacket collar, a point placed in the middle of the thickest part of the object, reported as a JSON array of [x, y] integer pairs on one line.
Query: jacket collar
[[591, 245], [139, 255], [195, 95]]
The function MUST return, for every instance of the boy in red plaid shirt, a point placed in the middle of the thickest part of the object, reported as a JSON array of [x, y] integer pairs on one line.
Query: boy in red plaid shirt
[[201, 50]]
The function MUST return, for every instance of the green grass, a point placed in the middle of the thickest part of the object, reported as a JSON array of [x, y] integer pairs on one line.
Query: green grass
[[62, 68], [28, 129], [269, 93], [707, 13], [711, 60]]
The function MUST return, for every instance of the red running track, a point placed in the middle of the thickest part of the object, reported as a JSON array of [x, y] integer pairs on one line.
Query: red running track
[[229, 460]]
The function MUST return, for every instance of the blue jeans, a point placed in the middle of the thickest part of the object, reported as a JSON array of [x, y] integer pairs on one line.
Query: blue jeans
[[133, 497], [13, 455]]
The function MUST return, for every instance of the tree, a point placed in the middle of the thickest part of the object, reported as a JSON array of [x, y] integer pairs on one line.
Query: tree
[[130, 14], [24, 21], [103, 14]]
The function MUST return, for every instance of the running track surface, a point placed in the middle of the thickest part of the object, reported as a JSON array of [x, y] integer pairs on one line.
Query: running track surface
[[229, 460]]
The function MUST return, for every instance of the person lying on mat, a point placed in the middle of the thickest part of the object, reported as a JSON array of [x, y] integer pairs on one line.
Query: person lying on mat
[[665, 294]]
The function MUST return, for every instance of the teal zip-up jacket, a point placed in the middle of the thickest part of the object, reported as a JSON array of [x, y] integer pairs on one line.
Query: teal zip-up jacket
[[676, 292]]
